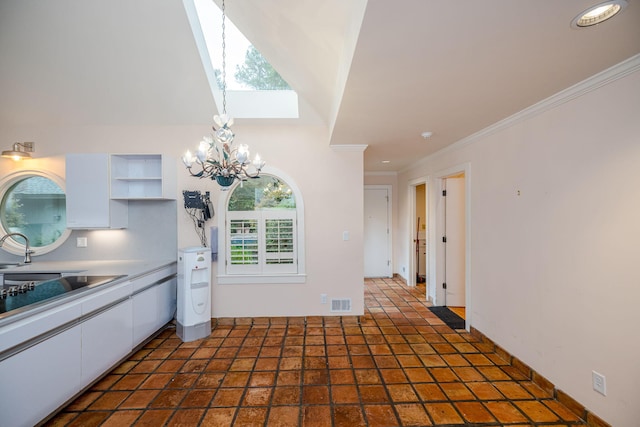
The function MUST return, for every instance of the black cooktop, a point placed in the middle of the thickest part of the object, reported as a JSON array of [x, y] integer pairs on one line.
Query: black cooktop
[[13, 297]]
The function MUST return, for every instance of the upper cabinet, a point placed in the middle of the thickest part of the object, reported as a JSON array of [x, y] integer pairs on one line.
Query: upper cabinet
[[142, 176], [88, 201], [99, 186]]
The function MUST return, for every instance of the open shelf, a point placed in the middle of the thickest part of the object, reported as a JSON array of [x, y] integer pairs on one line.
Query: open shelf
[[139, 176]]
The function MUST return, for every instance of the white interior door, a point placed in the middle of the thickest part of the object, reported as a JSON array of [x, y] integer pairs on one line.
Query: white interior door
[[455, 242], [377, 257]]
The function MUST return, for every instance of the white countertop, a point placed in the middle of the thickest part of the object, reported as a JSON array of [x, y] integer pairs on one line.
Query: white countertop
[[128, 269]]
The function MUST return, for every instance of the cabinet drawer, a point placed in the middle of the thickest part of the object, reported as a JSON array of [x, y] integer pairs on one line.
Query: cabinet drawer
[[23, 330], [140, 283], [105, 297]]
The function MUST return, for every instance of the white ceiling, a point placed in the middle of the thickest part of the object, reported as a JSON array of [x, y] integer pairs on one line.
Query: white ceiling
[[374, 72]]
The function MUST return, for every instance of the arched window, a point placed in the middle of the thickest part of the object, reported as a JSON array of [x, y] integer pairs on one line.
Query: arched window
[[262, 241]]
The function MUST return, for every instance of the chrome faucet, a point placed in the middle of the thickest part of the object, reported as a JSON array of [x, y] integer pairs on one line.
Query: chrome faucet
[[27, 250]]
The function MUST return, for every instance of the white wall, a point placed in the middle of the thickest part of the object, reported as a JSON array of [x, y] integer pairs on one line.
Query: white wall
[[554, 270], [331, 183]]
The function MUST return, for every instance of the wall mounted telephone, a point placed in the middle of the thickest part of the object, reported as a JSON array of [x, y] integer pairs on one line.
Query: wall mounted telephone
[[200, 209]]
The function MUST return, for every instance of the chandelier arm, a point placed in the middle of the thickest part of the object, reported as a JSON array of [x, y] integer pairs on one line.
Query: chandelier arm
[[248, 175]]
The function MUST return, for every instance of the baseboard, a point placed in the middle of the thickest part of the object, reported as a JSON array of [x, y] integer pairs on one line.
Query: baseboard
[[287, 321], [399, 278], [573, 405]]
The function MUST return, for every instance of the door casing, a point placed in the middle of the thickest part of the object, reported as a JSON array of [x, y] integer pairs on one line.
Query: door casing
[[437, 211], [388, 270]]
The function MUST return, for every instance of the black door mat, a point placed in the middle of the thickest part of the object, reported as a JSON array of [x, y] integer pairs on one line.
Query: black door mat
[[451, 319]]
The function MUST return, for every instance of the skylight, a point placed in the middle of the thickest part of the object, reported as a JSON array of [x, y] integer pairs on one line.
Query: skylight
[[244, 100]]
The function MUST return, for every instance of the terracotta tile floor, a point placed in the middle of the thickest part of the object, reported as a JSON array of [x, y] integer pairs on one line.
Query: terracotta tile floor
[[400, 366]]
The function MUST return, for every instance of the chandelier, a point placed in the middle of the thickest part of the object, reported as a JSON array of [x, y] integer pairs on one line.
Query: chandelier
[[217, 158]]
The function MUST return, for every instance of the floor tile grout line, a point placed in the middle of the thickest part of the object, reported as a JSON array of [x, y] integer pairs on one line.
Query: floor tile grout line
[[388, 319]]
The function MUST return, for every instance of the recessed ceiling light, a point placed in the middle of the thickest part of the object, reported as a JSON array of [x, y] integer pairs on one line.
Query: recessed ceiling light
[[427, 134], [386, 161], [598, 13]]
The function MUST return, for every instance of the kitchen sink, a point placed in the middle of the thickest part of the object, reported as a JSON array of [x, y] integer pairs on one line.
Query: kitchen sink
[[18, 278], [9, 265]]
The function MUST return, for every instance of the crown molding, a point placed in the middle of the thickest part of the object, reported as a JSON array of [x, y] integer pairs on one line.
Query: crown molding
[[618, 71]]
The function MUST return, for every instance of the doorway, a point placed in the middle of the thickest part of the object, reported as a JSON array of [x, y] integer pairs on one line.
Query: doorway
[[377, 231], [454, 241], [420, 227], [420, 236], [451, 237]]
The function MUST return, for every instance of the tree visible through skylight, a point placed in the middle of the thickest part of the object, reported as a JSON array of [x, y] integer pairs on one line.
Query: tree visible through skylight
[[246, 68], [254, 88]]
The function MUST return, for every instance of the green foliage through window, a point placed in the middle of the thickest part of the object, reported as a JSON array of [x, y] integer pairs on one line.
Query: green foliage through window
[[258, 74], [261, 193], [34, 206]]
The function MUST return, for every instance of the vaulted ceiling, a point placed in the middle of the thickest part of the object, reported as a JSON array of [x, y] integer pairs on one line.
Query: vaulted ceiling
[[373, 72]]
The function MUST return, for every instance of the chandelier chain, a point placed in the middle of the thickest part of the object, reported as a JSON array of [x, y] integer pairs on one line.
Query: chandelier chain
[[224, 63], [218, 157]]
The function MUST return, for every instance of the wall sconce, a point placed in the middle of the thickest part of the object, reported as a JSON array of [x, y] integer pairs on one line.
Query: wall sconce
[[20, 151]]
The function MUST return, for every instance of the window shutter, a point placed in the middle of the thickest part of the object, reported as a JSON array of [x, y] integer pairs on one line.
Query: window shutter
[[244, 243], [280, 248]]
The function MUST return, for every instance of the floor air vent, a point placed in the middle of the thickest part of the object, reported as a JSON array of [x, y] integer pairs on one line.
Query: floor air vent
[[341, 305]]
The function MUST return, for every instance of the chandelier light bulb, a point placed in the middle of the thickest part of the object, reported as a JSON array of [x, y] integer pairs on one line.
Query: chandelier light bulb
[[243, 153], [201, 155], [187, 159], [257, 162]]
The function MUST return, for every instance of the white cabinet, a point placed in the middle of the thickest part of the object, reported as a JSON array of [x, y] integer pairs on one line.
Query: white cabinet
[[106, 338], [142, 177], [36, 381], [99, 186], [153, 308], [89, 204], [167, 295], [48, 358]]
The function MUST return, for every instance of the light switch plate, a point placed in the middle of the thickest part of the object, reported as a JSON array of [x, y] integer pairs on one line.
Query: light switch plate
[[599, 383]]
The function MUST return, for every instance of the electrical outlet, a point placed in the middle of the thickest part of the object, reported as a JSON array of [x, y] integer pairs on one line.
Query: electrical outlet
[[599, 383], [81, 242], [323, 298]]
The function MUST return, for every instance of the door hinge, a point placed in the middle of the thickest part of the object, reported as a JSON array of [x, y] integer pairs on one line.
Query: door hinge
[[388, 263], [444, 193], [444, 286], [444, 239]]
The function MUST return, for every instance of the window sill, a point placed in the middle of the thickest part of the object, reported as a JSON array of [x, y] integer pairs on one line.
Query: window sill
[[247, 279]]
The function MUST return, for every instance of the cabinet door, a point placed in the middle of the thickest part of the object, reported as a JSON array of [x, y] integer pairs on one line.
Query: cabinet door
[[152, 309], [166, 301], [36, 381], [145, 314], [87, 194], [106, 338]]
